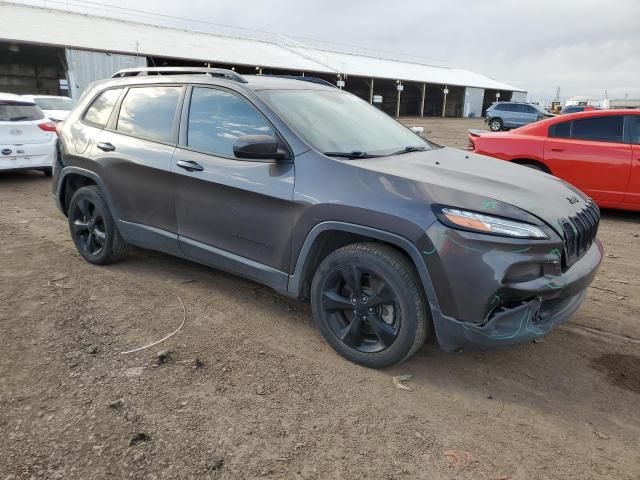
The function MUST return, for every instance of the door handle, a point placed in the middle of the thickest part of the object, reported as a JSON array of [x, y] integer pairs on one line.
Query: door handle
[[190, 166], [557, 149], [106, 147]]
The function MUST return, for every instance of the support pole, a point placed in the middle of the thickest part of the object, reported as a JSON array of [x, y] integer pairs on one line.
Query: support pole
[[424, 94], [399, 88], [444, 101], [371, 92]]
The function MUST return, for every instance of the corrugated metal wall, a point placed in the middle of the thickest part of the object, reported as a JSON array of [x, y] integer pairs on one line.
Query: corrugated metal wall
[[85, 67], [473, 102]]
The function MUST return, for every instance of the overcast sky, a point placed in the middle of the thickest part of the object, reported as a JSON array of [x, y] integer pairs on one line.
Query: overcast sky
[[581, 46]]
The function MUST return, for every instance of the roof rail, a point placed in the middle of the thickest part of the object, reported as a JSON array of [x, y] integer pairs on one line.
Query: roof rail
[[213, 72], [302, 78]]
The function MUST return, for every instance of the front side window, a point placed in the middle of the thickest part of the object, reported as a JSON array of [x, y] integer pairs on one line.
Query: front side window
[[336, 121], [100, 110], [217, 118], [603, 129], [149, 112]]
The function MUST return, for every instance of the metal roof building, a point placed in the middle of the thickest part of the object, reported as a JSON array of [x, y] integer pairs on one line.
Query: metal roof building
[[76, 48]]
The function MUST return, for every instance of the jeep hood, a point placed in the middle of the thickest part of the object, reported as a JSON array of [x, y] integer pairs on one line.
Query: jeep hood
[[476, 182]]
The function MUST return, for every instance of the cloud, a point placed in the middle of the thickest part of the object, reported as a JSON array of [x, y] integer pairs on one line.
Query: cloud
[[581, 46]]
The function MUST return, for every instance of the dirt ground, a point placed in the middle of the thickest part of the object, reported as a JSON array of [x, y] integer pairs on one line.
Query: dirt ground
[[250, 389]]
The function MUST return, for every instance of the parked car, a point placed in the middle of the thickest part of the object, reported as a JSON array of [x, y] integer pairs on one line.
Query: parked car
[[321, 196], [576, 109], [505, 115], [27, 136], [56, 108], [596, 151]]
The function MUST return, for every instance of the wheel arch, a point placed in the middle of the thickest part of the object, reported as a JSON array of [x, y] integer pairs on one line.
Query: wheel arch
[[73, 178], [530, 161], [328, 236]]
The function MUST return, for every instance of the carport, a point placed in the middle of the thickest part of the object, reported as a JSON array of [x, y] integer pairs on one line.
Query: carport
[[32, 69]]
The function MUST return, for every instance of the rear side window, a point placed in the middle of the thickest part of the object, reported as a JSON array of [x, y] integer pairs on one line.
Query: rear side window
[[19, 112], [603, 129], [217, 118], [149, 112], [100, 110], [560, 130], [635, 129]]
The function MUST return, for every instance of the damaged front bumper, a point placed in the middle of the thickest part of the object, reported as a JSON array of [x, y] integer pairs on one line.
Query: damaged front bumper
[[484, 305]]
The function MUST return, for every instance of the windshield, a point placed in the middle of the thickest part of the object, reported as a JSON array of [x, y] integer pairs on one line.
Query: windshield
[[55, 103], [336, 121]]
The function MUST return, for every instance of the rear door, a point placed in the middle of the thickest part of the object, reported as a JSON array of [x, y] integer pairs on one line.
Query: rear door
[[134, 155], [633, 191], [231, 212], [591, 154], [529, 114]]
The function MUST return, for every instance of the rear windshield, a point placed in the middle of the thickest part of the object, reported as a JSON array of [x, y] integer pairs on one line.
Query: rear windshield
[[19, 112], [55, 103]]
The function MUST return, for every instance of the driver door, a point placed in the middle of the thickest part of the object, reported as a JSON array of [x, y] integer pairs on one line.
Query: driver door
[[232, 213]]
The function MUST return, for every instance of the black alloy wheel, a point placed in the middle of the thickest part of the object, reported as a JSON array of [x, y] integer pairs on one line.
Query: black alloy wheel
[[93, 229], [368, 303], [87, 227], [362, 309]]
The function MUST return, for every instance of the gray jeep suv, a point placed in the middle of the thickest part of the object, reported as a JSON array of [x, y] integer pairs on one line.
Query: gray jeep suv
[[503, 115], [319, 195]]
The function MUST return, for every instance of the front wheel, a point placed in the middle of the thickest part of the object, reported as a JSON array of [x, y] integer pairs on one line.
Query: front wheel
[[495, 124], [92, 228], [368, 304]]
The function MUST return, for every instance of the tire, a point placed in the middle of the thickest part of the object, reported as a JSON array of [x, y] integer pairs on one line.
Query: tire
[[48, 172], [367, 301], [495, 125], [92, 228]]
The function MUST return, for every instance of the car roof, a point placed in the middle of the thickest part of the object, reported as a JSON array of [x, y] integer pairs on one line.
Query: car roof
[[12, 97]]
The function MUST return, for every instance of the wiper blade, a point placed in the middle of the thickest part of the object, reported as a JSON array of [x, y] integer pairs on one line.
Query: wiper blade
[[353, 154], [409, 149]]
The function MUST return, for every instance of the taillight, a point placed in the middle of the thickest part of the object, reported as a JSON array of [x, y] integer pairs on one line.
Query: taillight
[[48, 126], [471, 146]]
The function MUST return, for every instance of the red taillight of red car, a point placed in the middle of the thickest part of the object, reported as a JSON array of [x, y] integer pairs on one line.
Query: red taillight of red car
[[48, 126], [471, 146]]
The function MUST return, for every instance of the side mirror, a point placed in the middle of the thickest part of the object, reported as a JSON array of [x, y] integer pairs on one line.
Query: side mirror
[[258, 147]]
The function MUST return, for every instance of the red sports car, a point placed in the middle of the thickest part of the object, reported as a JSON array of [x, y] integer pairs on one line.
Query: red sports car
[[596, 151]]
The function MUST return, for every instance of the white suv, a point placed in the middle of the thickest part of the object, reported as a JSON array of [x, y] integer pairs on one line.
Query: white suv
[[27, 136]]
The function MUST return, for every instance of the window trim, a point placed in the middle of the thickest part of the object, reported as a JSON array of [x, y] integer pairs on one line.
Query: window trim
[[626, 130], [112, 123], [93, 100], [184, 127]]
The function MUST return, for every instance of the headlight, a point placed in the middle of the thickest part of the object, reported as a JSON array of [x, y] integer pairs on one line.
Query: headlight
[[478, 222]]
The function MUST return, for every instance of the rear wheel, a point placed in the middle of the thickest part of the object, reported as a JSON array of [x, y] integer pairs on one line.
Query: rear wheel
[[92, 228], [495, 125], [368, 305]]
